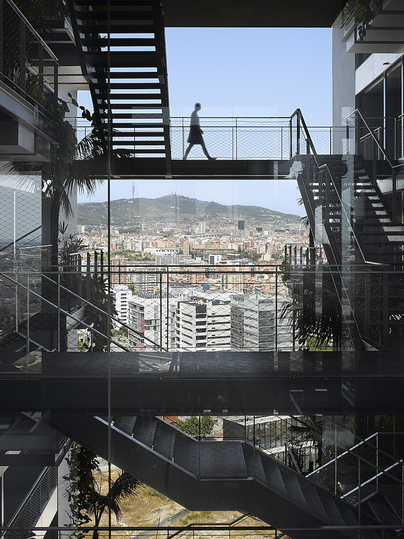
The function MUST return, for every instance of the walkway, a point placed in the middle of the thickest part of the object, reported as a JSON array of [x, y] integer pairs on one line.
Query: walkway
[[218, 383]]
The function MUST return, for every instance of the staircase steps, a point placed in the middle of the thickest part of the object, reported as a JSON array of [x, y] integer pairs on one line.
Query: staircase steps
[[164, 440], [380, 239], [274, 476], [125, 423], [133, 59], [145, 430], [381, 509], [212, 475]]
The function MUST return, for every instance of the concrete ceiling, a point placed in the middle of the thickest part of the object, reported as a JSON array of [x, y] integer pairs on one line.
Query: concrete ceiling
[[251, 13]]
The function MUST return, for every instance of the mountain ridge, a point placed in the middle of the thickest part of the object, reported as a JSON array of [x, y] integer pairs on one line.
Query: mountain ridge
[[126, 211]]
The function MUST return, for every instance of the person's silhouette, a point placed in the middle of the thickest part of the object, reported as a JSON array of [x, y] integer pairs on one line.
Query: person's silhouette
[[195, 134]]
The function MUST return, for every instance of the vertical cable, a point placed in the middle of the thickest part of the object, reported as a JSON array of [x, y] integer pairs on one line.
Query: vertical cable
[[109, 306]]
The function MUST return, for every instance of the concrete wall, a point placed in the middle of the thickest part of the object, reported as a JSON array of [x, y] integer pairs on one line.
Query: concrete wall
[[343, 77]]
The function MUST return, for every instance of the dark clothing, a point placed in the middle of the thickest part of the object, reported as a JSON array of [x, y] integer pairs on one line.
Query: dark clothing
[[195, 135]]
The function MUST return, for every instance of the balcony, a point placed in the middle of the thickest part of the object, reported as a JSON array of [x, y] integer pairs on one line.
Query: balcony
[[28, 88], [385, 34]]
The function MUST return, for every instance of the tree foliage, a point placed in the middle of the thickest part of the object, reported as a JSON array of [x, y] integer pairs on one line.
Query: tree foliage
[[196, 426], [322, 327], [362, 12], [85, 493]]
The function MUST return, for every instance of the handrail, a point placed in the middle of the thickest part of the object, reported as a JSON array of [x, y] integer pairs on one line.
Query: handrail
[[350, 450], [374, 477], [83, 300], [32, 30], [69, 314], [324, 166], [97, 308], [292, 456], [20, 238], [383, 151], [48, 470]]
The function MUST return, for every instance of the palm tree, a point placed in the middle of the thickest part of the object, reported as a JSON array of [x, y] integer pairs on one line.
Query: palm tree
[[84, 491], [121, 489], [72, 165]]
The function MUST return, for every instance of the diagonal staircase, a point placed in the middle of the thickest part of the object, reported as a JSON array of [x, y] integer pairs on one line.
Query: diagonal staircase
[[212, 475], [122, 52], [343, 200]]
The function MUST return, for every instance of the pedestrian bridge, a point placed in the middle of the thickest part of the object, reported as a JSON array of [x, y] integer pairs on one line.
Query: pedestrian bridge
[[244, 147]]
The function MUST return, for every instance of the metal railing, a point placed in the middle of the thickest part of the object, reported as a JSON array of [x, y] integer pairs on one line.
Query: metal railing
[[27, 64], [241, 138], [34, 503], [364, 471], [366, 141], [180, 308]]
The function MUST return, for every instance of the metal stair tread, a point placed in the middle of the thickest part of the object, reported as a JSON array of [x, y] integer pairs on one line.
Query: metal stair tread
[[145, 430], [125, 423]]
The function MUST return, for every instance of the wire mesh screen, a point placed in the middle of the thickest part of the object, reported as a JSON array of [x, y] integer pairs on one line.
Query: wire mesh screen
[[28, 66]]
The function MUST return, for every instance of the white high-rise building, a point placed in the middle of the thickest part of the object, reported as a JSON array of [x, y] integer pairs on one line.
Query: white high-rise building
[[203, 325], [122, 295], [256, 323], [152, 321]]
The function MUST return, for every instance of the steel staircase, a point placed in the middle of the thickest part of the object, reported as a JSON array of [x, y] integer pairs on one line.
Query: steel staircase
[[123, 56], [342, 198], [212, 475]]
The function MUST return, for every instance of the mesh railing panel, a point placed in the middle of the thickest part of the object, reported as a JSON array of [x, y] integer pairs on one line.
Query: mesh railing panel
[[241, 138], [182, 308], [33, 505], [28, 66]]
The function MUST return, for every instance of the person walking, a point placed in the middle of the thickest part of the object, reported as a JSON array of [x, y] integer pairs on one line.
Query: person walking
[[195, 134]]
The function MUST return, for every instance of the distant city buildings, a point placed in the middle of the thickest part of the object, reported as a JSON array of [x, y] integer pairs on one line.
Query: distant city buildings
[[207, 285], [121, 294], [256, 323], [203, 325]]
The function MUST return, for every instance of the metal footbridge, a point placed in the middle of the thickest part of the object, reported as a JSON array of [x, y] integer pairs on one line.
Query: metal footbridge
[[218, 383]]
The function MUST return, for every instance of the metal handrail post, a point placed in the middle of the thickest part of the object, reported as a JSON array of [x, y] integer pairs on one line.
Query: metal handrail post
[[377, 462], [161, 310], [28, 315], [281, 141], [290, 138], [167, 311], [298, 134], [359, 497], [276, 307], [236, 152], [23, 47], [394, 202], [58, 317], [335, 462]]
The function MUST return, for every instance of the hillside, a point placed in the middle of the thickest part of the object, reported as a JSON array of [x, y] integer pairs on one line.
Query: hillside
[[174, 208]]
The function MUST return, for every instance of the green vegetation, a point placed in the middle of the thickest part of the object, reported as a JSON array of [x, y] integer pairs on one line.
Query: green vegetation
[[139, 256], [85, 492], [202, 516], [251, 255], [154, 493], [361, 12], [121, 332], [196, 426]]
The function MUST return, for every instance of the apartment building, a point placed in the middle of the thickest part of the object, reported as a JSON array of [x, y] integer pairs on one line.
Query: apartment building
[[122, 295], [203, 325], [256, 323], [49, 396]]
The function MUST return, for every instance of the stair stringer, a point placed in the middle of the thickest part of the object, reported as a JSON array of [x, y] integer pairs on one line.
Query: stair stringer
[[280, 508]]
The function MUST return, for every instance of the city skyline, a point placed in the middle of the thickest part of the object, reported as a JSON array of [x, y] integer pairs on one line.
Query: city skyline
[[237, 72], [241, 192]]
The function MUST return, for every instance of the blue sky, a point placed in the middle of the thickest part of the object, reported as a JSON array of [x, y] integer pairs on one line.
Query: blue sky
[[242, 72]]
